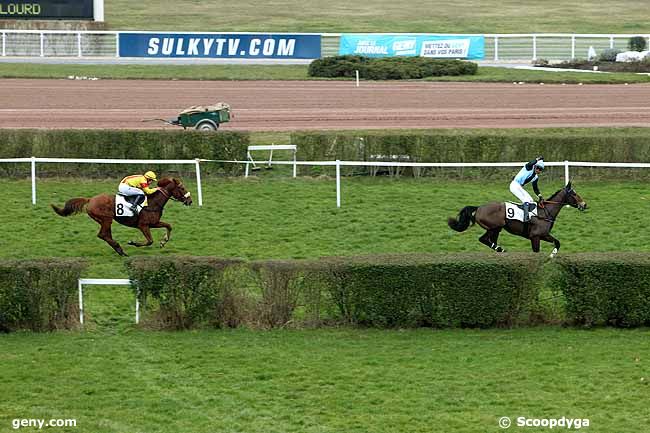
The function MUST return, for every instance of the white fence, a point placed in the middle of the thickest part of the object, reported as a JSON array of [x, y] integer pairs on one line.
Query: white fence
[[337, 164], [498, 47], [33, 161], [104, 282]]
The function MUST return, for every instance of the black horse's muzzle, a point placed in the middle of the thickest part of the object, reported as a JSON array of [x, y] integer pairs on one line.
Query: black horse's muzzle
[[582, 206]]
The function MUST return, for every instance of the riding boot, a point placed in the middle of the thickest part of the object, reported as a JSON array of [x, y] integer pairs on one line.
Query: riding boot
[[526, 211], [139, 199]]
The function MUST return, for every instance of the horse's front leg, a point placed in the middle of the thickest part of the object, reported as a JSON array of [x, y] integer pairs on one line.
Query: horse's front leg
[[147, 234], [548, 238], [534, 242], [168, 234]]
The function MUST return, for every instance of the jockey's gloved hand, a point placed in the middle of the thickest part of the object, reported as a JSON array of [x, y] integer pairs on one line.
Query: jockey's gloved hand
[[539, 196], [539, 158]]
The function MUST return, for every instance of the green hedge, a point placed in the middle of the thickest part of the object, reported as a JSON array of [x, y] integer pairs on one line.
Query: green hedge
[[389, 68], [606, 289], [573, 144], [381, 291], [39, 295], [122, 144], [453, 290], [189, 291]]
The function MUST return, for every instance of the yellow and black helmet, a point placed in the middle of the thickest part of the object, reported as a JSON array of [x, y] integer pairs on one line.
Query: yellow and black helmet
[[151, 176]]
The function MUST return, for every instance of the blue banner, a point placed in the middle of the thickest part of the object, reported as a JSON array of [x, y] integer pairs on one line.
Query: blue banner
[[436, 46], [220, 45]]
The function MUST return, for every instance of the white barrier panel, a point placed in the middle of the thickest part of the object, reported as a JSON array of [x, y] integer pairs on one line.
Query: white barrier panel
[[498, 46], [271, 148], [104, 282]]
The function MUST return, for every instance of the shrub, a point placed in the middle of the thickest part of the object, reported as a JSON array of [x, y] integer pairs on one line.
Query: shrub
[[481, 146], [608, 55], [637, 43], [190, 291], [120, 144], [434, 290], [39, 295], [389, 68], [607, 289]]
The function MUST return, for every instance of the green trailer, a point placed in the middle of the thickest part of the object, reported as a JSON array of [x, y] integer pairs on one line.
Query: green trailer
[[204, 118], [201, 118]]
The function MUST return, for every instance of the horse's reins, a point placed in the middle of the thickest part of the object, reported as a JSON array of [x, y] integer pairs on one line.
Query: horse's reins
[[543, 206]]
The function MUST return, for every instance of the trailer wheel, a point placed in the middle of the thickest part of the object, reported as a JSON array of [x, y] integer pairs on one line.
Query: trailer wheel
[[207, 126]]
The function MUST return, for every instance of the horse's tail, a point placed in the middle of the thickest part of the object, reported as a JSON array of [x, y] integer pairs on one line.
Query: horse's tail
[[465, 218], [72, 206]]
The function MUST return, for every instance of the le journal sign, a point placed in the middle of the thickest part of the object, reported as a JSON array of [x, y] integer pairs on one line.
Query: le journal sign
[[46, 9]]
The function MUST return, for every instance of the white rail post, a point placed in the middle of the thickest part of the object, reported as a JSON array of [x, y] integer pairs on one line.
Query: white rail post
[[566, 172], [117, 44], [496, 48], [338, 183], [79, 44], [42, 44], [611, 42], [198, 181], [81, 303], [137, 308], [573, 46], [534, 47], [33, 180], [294, 165], [356, 73], [4, 43]]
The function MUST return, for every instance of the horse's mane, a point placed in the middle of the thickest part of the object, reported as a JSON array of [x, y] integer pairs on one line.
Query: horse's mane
[[556, 193], [560, 190], [166, 181]]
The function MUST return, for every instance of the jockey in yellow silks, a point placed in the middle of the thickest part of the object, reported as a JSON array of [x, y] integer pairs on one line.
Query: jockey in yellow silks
[[138, 186]]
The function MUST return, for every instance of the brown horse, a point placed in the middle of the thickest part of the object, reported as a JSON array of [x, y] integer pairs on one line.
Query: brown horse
[[101, 208], [492, 217]]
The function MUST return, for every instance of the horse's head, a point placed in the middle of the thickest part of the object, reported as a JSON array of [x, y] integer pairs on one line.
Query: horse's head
[[176, 190], [573, 199]]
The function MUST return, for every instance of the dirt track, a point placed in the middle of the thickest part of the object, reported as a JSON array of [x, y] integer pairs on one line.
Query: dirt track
[[295, 105]]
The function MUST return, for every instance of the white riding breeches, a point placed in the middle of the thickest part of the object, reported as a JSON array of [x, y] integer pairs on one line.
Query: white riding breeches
[[129, 190], [520, 193]]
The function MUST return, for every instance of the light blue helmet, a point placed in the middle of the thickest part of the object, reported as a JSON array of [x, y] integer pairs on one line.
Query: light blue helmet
[[540, 164]]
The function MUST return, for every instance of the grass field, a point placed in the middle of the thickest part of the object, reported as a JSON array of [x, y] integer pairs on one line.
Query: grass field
[[289, 72], [326, 380], [287, 218], [488, 16]]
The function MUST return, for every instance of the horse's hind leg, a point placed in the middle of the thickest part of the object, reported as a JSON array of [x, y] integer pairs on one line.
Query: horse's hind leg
[[548, 238], [490, 239], [105, 235]]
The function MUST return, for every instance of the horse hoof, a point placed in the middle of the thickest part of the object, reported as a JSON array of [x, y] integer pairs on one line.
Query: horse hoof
[[131, 242]]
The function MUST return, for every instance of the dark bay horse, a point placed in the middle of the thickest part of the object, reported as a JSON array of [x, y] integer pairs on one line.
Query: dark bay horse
[[492, 217], [101, 208]]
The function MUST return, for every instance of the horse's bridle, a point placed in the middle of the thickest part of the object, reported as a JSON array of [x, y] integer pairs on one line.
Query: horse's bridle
[[167, 194]]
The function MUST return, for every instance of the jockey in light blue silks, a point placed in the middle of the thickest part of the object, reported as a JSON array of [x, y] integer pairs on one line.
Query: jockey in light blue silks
[[528, 173]]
